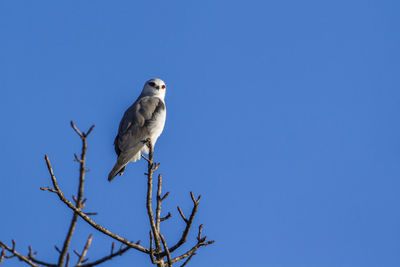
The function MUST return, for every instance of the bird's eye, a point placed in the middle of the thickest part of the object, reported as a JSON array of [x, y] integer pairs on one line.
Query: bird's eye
[[163, 86], [152, 84]]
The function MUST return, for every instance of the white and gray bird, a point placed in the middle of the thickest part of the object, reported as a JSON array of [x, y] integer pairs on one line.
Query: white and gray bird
[[144, 119]]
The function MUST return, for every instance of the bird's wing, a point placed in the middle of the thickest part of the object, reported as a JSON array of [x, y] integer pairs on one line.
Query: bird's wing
[[134, 126], [134, 129]]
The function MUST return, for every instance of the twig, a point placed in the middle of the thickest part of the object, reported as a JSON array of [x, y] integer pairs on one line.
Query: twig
[[112, 247], [77, 253], [76, 158], [48, 189], [31, 257], [165, 196], [143, 156], [199, 234], [166, 217], [106, 258], [82, 171], [183, 216], [3, 253], [158, 209], [196, 202], [151, 248], [191, 251], [188, 259], [76, 129], [166, 250], [89, 131], [200, 242], [148, 199], [85, 250], [16, 254], [67, 261], [58, 250], [188, 223]]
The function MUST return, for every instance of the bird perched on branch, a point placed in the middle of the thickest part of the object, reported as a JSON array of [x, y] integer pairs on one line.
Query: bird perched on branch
[[143, 120]]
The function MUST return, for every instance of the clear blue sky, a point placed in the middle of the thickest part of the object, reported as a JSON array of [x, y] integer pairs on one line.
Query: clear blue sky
[[284, 115]]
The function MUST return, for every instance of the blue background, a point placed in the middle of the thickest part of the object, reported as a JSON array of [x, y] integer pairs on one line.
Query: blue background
[[284, 115]]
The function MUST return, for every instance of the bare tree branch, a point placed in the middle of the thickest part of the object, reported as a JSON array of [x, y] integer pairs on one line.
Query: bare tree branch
[[14, 253], [188, 223], [3, 253], [155, 223], [157, 255], [82, 171], [84, 216], [158, 209], [166, 250], [200, 242], [151, 167], [151, 248], [67, 261], [32, 255]]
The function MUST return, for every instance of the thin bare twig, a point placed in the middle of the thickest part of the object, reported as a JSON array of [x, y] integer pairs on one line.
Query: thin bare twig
[[165, 196], [76, 129], [151, 254], [3, 253], [32, 255], [191, 251], [89, 131], [106, 258], [58, 250], [199, 234], [82, 171], [166, 217], [183, 216], [16, 254], [200, 242], [85, 250], [143, 156], [76, 158], [188, 222], [158, 209], [48, 189], [188, 259]]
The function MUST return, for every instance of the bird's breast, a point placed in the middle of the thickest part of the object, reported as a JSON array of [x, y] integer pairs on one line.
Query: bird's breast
[[157, 126]]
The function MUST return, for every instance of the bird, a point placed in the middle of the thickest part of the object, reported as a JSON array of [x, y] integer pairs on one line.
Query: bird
[[143, 120]]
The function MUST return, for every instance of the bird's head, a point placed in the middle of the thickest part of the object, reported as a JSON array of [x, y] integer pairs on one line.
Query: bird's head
[[155, 87]]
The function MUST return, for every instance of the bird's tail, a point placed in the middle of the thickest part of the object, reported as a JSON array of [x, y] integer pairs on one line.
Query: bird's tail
[[117, 169], [123, 159]]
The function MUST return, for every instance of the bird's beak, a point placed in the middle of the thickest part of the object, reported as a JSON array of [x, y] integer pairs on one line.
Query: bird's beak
[[158, 87]]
